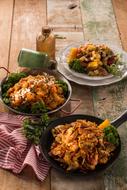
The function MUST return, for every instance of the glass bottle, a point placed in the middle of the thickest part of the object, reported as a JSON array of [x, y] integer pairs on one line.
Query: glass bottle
[[45, 42]]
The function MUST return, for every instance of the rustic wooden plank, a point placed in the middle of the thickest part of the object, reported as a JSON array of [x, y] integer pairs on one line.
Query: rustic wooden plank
[[69, 38], [6, 13], [120, 9], [100, 24], [29, 16], [23, 181], [99, 21], [60, 15], [63, 26], [61, 182]]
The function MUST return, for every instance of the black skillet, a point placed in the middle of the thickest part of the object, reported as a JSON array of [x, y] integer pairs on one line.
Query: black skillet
[[47, 139]]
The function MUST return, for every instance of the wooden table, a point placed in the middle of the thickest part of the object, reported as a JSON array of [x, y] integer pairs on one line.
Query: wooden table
[[20, 22]]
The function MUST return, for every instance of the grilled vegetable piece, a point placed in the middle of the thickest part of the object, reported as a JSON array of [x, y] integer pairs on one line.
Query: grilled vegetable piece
[[104, 124], [72, 55]]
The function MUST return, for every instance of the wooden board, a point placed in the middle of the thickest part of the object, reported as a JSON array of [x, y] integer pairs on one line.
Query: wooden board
[[99, 21], [26, 180], [29, 15], [61, 18], [70, 23], [120, 9], [6, 9], [100, 24]]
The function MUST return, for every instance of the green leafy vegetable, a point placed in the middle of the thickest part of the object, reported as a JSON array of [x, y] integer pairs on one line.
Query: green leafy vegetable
[[63, 85], [111, 135], [38, 107], [33, 128], [24, 108], [12, 79], [114, 69], [76, 66]]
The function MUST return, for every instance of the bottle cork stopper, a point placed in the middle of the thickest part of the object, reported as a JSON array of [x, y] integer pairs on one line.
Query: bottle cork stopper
[[46, 29]]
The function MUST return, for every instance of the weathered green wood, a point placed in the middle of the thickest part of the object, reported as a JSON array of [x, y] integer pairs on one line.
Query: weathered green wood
[[99, 21], [100, 24], [67, 23]]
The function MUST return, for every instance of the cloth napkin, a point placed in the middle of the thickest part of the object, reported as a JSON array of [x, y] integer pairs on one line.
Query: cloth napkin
[[16, 151]]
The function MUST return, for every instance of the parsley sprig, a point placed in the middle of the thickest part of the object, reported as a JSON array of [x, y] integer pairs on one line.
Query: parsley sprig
[[111, 135], [33, 128]]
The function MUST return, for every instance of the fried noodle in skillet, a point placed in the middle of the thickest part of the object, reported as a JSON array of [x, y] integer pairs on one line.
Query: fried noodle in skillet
[[80, 145]]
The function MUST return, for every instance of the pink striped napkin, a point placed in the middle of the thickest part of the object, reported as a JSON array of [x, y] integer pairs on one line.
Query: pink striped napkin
[[16, 151]]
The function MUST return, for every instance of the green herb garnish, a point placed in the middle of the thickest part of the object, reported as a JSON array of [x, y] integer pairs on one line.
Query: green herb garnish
[[13, 78], [38, 107], [33, 128], [111, 135], [63, 85], [114, 69], [76, 66]]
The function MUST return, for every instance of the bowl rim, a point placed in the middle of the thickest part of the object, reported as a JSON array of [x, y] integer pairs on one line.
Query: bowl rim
[[55, 164], [35, 72]]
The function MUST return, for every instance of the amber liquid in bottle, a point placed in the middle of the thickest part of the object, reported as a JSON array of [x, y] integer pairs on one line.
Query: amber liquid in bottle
[[45, 42]]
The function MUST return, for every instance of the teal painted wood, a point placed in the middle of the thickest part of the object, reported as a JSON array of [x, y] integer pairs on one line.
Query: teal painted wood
[[67, 23], [99, 24], [99, 21]]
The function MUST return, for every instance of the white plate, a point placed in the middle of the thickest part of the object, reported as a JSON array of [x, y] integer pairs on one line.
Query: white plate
[[87, 82], [63, 57]]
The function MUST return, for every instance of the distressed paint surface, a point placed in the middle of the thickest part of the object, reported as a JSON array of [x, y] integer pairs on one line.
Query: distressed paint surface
[[68, 25], [59, 15], [100, 24], [99, 21], [70, 37]]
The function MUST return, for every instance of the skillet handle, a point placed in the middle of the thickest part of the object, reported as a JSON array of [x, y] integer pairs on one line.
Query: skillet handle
[[74, 109], [5, 69], [121, 119], [1, 81]]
